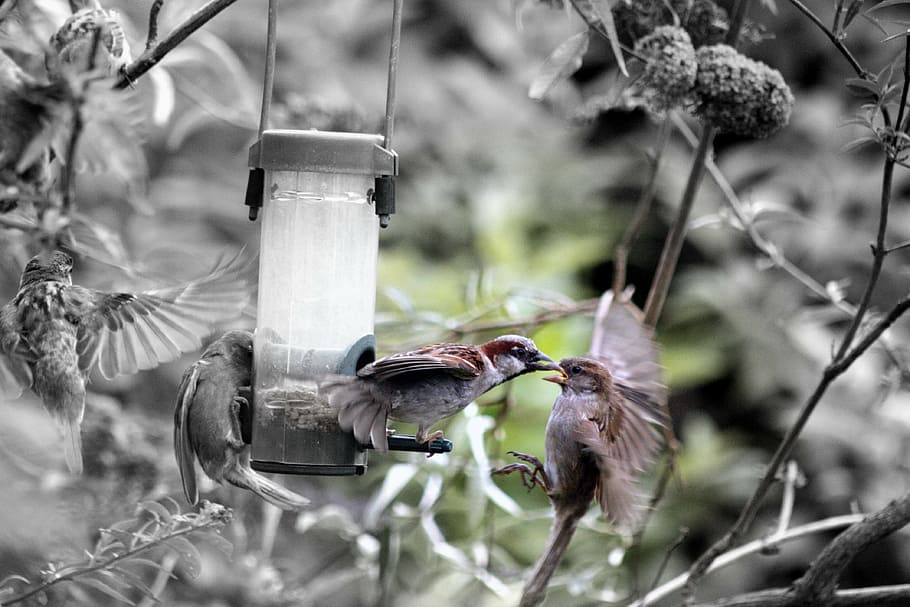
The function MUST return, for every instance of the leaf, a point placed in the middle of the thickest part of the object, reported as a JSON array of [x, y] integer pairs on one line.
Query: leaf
[[894, 36], [562, 63], [599, 17], [217, 540], [148, 563], [156, 509], [862, 87], [858, 143], [192, 560], [135, 580], [887, 3], [104, 588]]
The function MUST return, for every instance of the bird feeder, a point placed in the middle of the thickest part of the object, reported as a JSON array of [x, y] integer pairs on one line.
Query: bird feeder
[[323, 196], [317, 291]]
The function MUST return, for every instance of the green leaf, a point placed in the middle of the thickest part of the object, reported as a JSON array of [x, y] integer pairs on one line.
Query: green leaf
[[103, 588], [562, 63], [862, 87], [599, 17]]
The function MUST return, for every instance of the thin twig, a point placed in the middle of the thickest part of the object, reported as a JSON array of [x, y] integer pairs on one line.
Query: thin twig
[[878, 596], [818, 584], [642, 208], [755, 546], [747, 515], [879, 251], [683, 532], [153, 24], [676, 237], [152, 56], [791, 477], [838, 44]]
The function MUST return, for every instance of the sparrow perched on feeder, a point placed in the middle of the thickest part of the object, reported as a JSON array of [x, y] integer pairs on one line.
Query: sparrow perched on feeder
[[207, 422], [53, 333], [428, 384]]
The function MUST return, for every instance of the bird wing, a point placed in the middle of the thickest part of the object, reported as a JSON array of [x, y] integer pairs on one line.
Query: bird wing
[[615, 490], [183, 447], [457, 359], [125, 332], [622, 341], [15, 374], [628, 431]]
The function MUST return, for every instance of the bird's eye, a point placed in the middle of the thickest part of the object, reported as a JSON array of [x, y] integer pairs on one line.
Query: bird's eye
[[575, 370], [518, 351]]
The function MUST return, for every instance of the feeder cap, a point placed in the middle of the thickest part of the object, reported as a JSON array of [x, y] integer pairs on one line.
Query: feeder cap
[[323, 152]]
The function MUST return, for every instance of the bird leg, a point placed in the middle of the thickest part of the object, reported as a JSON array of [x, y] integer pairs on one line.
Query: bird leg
[[245, 413], [532, 471]]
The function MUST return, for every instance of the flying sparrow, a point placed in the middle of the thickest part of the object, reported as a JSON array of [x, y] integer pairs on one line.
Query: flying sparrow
[[601, 434], [53, 333], [428, 384], [207, 422]]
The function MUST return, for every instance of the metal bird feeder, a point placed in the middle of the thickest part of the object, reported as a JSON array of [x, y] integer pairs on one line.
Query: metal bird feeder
[[323, 196]]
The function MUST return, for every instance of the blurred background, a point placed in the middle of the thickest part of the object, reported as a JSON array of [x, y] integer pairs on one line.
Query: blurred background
[[506, 207]]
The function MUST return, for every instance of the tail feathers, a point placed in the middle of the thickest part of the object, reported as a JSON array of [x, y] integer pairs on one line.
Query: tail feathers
[[72, 445], [358, 411], [270, 491]]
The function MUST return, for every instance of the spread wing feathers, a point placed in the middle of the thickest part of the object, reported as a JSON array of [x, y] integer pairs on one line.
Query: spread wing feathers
[[627, 346], [459, 360], [282, 497], [616, 491], [15, 375], [123, 333], [360, 412], [183, 447]]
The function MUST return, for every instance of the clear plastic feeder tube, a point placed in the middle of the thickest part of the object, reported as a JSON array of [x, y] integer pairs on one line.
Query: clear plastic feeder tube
[[317, 291]]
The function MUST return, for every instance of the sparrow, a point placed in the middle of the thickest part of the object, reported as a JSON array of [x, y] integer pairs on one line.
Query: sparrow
[[207, 422], [428, 384], [53, 333]]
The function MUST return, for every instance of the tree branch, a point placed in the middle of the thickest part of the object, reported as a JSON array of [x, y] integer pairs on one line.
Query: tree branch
[[882, 596], [820, 581], [150, 58], [755, 546], [834, 39]]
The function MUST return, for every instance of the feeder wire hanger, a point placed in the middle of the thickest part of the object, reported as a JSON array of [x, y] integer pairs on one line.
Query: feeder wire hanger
[[383, 196]]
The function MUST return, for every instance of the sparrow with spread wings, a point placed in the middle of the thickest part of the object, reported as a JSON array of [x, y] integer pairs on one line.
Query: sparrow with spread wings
[[53, 333]]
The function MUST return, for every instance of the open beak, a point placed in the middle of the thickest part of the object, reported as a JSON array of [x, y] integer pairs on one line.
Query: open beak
[[557, 379], [544, 363]]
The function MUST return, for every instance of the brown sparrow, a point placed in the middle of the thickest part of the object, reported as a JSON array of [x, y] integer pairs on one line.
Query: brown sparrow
[[53, 333], [207, 422], [428, 384]]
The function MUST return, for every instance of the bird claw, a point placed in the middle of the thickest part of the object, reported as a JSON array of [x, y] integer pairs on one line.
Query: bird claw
[[532, 471]]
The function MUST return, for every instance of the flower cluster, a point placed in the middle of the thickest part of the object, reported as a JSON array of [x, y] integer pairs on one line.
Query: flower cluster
[[704, 21], [738, 95], [670, 66]]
